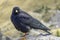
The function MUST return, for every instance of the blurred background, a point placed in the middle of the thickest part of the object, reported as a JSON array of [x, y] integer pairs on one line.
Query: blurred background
[[46, 11]]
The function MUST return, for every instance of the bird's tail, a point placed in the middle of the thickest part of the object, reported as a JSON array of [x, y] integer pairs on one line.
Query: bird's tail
[[48, 31]]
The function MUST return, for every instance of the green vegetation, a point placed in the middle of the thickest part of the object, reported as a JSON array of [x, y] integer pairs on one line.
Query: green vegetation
[[58, 33]]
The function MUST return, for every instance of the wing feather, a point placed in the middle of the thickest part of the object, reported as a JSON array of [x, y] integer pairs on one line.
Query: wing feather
[[32, 22]]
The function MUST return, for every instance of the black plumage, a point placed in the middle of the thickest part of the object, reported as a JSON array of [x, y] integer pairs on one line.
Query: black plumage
[[24, 22]]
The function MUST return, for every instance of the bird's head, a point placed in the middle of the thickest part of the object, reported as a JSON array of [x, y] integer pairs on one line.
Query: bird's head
[[16, 10]]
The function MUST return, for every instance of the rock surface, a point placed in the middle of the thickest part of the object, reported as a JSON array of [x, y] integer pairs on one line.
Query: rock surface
[[49, 37]]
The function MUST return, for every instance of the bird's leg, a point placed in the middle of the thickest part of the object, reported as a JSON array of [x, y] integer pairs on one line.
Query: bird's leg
[[24, 36]]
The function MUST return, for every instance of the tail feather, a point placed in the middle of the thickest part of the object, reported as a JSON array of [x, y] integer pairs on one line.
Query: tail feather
[[48, 31]]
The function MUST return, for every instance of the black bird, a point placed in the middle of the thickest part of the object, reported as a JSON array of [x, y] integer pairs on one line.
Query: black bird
[[24, 22]]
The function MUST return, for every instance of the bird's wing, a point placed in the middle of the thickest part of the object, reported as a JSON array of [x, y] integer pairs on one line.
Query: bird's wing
[[32, 22]]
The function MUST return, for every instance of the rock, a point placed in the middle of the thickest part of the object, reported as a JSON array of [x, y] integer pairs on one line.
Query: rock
[[48, 37]]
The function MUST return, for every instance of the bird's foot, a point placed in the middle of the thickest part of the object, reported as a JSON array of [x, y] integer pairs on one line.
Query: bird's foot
[[23, 38], [24, 35]]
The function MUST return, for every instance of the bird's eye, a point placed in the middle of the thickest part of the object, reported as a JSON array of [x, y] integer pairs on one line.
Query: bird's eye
[[16, 11]]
